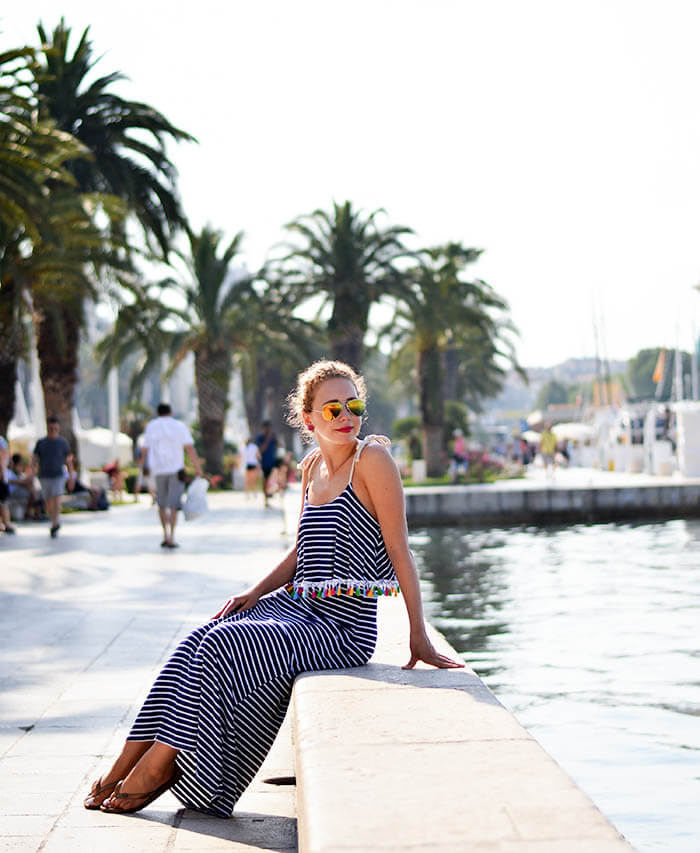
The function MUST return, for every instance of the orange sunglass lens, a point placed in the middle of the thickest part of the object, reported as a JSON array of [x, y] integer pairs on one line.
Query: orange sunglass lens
[[331, 411]]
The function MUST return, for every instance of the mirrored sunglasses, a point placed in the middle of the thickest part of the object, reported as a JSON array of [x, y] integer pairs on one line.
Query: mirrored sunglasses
[[333, 410]]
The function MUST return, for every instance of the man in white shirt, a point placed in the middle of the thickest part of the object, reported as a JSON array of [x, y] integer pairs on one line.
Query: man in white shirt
[[165, 442]]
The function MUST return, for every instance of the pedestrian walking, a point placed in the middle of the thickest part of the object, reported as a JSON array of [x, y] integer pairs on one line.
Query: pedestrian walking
[[217, 705], [165, 442], [116, 480], [251, 460], [267, 444], [548, 449], [51, 455], [5, 521], [460, 456], [285, 467]]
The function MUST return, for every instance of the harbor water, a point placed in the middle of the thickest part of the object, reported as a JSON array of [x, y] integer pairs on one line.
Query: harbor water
[[590, 635]]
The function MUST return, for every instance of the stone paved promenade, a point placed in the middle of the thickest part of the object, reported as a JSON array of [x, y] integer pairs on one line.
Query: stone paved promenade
[[86, 621]]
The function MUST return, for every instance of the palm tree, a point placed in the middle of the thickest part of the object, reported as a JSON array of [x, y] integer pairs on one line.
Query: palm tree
[[22, 174], [23, 170], [50, 280], [352, 261], [270, 364], [232, 314], [215, 296], [64, 269], [46, 231], [202, 324], [225, 314], [443, 317], [143, 327], [126, 139], [122, 156]]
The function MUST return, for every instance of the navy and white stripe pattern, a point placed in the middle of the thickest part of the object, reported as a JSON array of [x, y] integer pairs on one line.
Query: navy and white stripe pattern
[[223, 695], [345, 534]]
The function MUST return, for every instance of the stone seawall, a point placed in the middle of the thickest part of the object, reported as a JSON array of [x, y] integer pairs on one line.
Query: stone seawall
[[389, 759], [527, 502]]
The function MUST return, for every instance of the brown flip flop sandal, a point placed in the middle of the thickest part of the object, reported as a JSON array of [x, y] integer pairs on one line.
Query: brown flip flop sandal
[[93, 806], [147, 798]]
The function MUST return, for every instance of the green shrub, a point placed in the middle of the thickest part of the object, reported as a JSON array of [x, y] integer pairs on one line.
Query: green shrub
[[409, 430]]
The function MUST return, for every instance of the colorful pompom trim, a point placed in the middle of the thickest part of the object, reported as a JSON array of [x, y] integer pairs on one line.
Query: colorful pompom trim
[[358, 589]]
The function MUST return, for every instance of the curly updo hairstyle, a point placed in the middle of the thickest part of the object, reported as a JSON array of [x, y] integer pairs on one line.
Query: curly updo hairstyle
[[301, 398]]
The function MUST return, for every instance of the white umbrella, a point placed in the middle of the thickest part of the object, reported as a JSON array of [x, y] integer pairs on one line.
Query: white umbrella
[[22, 438], [96, 448], [572, 431]]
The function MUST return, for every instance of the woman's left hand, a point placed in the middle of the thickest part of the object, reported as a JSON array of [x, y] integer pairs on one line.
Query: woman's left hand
[[423, 649], [238, 603]]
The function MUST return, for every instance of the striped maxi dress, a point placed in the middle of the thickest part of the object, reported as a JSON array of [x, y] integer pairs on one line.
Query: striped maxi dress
[[223, 695]]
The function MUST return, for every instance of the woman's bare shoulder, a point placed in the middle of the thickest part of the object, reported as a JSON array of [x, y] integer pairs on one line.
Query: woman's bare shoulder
[[376, 457]]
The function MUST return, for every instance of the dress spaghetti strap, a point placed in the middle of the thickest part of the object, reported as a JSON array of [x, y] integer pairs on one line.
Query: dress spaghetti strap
[[379, 439]]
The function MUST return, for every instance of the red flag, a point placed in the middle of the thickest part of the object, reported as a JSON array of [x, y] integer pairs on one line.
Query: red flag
[[658, 374]]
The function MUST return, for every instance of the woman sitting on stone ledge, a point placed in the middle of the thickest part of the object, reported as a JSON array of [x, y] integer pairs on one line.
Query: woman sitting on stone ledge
[[216, 707]]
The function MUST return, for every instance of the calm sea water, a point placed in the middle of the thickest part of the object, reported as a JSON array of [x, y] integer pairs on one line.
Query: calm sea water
[[590, 635]]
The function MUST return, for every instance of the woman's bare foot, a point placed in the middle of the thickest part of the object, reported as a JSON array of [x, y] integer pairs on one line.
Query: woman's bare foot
[[153, 770]]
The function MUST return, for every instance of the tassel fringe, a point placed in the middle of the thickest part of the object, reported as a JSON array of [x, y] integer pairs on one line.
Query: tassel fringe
[[359, 589]]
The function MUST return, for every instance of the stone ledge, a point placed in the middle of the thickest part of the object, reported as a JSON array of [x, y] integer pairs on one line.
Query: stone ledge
[[495, 503], [389, 759]]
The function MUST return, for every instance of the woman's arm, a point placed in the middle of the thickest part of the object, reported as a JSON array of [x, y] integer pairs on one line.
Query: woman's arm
[[380, 477], [281, 575]]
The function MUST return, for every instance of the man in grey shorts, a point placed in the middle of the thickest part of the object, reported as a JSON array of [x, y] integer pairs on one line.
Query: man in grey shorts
[[165, 442], [51, 453]]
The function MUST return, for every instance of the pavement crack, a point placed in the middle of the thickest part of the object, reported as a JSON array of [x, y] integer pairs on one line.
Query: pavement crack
[[109, 644]]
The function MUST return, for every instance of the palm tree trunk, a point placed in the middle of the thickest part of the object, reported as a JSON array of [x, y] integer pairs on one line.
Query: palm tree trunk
[[264, 394], [274, 396], [212, 369], [10, 347], [451, 363], [349, 348], [432, 407], [253, 368], [347, 328], [8, 377], [433, 450], [58, 339]]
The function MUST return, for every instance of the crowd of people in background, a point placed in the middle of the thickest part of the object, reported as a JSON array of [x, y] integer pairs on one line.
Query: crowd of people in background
[[268, 466], [36, 488], [37, 491]]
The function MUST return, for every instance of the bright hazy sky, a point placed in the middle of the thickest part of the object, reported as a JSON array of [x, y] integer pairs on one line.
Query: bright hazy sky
[[561, 137]]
